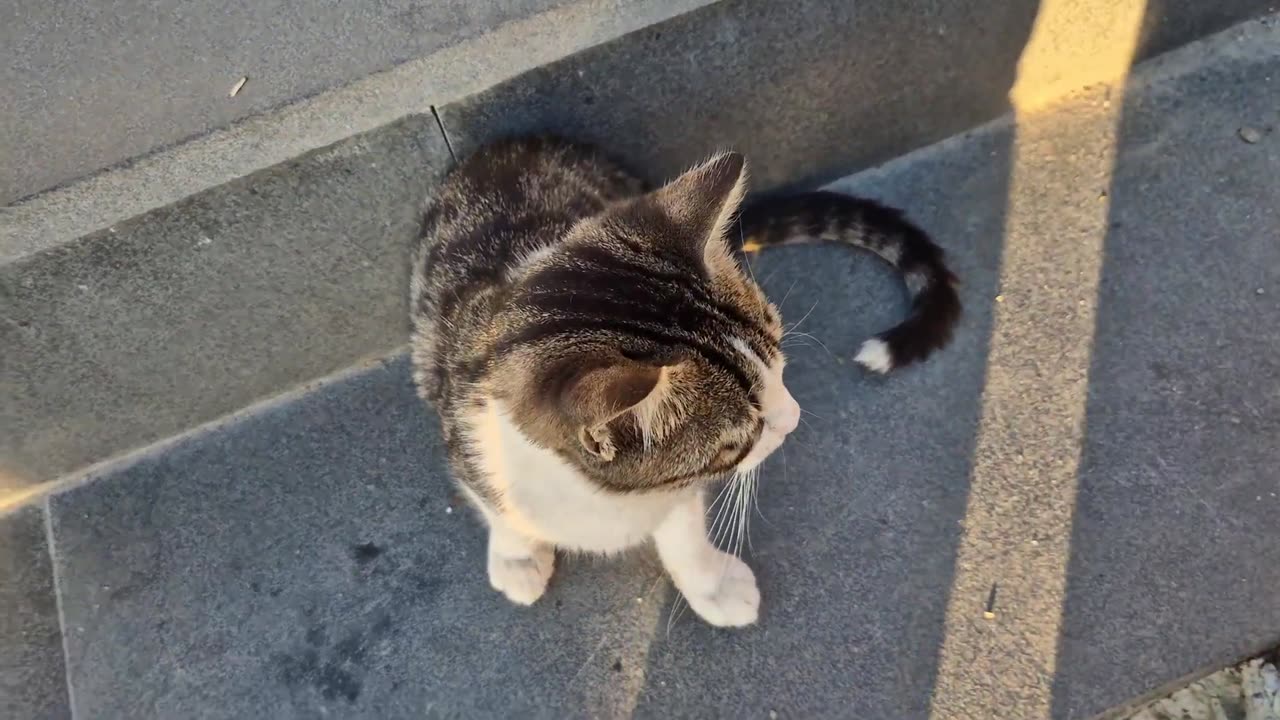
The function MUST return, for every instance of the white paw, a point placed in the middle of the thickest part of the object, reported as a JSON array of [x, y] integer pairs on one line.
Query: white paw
[[726, 595], [524, 579]]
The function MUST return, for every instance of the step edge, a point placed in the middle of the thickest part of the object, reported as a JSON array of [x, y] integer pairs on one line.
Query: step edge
[[63, 214], [1247, 37], [43, 492]]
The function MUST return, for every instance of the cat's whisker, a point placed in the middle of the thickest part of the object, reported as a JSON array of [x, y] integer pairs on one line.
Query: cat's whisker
[[745, 535], [787, 294], [751, 501], [677, 609], [795, 440], [785, 481], [724, 530], [728, 525], [733, 524], [755, 496], [810, 412], [744, 497], [735, 541], [799, 322], [747, 261], [797, 334], [793, 340], [722, 498], [717, 499], [725, 514]]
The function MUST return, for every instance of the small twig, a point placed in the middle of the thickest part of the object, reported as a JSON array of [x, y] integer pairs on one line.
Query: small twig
[[990, 612]]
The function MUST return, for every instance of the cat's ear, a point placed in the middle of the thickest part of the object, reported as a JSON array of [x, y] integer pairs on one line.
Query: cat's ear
[[705, 199], [595, 396]]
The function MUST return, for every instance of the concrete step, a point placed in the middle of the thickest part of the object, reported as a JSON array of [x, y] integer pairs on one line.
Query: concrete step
[[186, 284], [1093, 462], [124, 80]]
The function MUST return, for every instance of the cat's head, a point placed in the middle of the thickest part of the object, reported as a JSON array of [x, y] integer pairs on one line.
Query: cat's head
[[641, 350]]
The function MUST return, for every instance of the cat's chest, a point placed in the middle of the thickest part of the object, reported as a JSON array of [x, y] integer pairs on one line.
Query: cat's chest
[[547, 498]]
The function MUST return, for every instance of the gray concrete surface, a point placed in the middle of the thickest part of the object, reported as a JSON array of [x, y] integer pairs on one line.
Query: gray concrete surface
[[813, 89], [144, 183], [89, 85], [153, 326], [1097, 440], [33, 681], [807, 91]]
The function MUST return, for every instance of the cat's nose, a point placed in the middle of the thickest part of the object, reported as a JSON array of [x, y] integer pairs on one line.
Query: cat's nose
[[786, 416]]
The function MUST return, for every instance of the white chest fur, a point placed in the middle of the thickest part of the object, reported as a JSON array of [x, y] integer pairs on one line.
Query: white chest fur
[[545, 498]]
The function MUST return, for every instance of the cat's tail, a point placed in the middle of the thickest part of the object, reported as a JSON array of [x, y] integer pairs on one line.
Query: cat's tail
[[832, 217]]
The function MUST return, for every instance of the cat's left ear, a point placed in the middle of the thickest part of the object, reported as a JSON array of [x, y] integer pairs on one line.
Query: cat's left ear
[[705, 199], [594, 397]]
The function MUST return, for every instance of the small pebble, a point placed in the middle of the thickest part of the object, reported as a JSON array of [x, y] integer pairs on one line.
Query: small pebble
[[999, 298], [1260, 291], [448, 511], [989, 615], [1250, 135]]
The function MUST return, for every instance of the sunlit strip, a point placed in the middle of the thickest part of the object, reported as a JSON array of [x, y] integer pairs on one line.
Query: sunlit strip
[[1005, 607]]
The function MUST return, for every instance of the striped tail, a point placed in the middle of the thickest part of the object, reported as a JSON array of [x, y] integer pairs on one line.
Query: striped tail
[[832, 217]]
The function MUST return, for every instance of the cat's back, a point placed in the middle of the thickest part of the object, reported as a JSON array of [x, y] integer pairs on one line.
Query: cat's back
[[507, 201], [540, 173], [492, 212]]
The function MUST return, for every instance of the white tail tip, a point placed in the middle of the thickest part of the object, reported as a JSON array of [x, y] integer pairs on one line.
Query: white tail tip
[[875, 356]]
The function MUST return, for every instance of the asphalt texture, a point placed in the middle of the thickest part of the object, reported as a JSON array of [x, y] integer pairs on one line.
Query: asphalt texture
[[175, 318], [243, 255], [1075, 503], [123, 79]]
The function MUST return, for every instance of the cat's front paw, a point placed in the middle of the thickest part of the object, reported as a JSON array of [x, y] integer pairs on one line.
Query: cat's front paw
[[726, 595], [522, 579]]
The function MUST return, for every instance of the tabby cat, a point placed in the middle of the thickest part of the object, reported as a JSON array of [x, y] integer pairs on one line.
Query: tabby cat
[[598, 357]]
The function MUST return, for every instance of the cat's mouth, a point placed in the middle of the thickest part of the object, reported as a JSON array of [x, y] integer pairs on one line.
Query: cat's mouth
[[771, 438]]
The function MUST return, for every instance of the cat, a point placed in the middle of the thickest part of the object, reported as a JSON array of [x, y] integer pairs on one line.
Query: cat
[[598, 357]]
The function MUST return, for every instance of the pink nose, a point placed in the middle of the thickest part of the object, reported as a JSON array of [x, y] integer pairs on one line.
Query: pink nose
[[785, 417]]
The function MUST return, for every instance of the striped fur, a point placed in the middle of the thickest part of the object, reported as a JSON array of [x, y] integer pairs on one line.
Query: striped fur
[[832, 217], [543, 265], [597, 355]]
